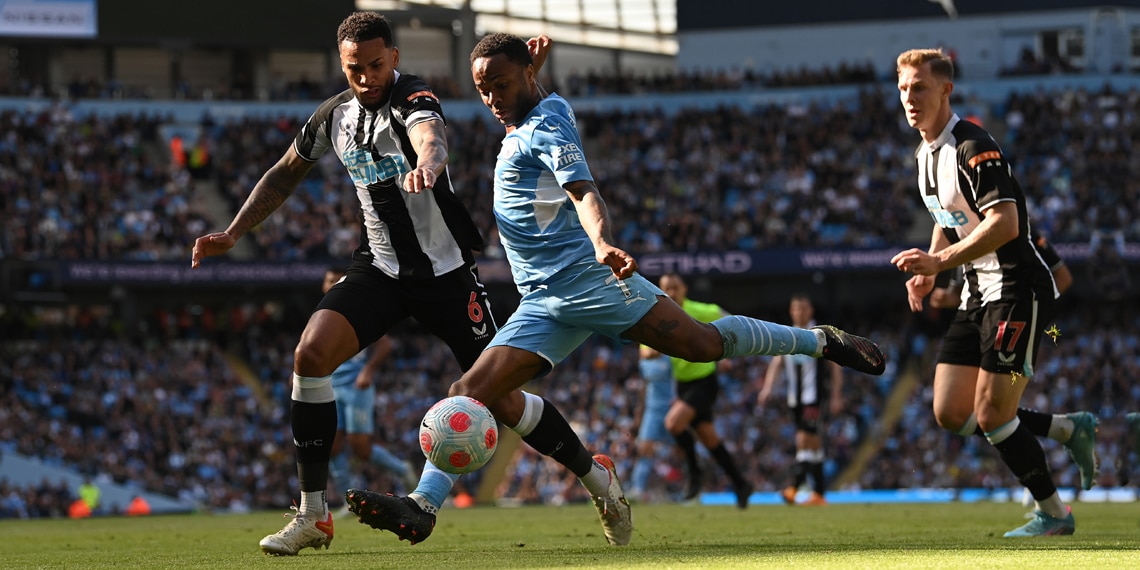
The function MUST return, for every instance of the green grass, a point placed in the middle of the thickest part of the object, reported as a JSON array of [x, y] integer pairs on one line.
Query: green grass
[[666, 536]]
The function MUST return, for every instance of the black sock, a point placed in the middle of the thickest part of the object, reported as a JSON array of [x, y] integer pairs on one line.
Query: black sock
[[724, 459], [1037, 423], [799, 473], [688, 447], [816, 468], [1025, 458], [554, 437], [314, 427]]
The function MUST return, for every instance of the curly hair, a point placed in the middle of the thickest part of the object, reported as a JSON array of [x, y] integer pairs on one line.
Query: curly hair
[[513, 47], [363, 26]]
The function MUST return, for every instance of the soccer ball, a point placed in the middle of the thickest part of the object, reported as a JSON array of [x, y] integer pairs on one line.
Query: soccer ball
[[459, 434]]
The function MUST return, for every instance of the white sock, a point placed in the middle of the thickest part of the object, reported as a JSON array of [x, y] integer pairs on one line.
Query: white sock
[[597, 481], [1061, 428], [1053, 507], [822, 339], [313, 503]]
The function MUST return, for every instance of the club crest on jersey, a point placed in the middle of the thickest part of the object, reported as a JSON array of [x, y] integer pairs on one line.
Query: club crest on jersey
[[364, 170]]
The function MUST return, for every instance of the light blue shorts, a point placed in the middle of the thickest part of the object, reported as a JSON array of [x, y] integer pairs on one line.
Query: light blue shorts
[[354, 408], [582, 299], [653, 427]]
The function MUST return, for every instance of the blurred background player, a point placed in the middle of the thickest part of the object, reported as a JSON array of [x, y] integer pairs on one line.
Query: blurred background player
[[697, 390], [355, 412], [656, 372], [805, 391]]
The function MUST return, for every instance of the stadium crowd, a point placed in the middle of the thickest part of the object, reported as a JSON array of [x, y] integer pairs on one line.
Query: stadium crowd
[[164, 408], [722, 179], [577, 83], [173, 414]]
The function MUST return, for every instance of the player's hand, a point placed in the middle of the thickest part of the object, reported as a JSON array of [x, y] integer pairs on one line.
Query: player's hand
[[621, 263], [418, 180], [363, 380], [916, 261], [943, 298], [216, 243], [539, 48], [837, 405], [917, 288]]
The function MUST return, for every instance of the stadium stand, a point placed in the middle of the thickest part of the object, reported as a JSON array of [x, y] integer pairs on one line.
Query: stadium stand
[[92, 388]]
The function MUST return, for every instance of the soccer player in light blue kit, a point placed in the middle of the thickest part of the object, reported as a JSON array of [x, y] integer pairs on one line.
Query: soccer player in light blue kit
[[356, 411], [656, 372], [574, 282]]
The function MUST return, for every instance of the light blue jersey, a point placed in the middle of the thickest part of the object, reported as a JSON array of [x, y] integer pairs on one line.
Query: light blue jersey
[[659, 393], [538, 225], [566, 294], [354, 406], [346, 373], [659, 388]]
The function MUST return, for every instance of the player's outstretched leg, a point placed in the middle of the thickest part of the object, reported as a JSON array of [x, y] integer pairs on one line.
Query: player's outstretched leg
[[1082, 446], [385, 511], [304, 531], [852, 351], [613, 509], [1044, 525]]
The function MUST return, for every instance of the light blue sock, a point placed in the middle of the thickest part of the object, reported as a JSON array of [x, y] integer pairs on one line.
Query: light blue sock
[[338, 468], [640, 476], [435, 485], [381, 457], [745, 336]]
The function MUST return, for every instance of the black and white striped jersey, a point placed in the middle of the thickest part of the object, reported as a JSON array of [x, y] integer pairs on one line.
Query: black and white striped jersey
[[961, 174], [404, 235], [802, 373]]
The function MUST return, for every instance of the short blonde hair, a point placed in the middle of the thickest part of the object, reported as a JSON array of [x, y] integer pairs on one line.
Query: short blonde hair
[[940, 63]]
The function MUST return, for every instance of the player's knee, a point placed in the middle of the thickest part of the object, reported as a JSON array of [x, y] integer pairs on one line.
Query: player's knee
[[310, 359], [949, 420]]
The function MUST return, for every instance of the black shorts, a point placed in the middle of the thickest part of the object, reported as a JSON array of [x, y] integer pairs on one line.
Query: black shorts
[[453, 307], [701, 395], [807, 418], [1000, 337]]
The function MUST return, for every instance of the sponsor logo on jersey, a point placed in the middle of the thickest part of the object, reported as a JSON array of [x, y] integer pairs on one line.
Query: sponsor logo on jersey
[[1006, 358], [364, 170], [567, 154], [943, 217], [989, 155]]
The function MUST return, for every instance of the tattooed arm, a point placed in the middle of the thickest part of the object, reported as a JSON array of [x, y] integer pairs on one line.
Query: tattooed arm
[[275, 186]]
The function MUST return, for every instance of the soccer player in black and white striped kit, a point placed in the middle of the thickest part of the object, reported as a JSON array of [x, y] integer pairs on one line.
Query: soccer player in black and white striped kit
[[414, 260], [806, 380], [981, 223]]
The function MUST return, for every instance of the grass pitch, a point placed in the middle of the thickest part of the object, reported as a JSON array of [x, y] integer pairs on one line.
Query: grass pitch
[[666, 536]]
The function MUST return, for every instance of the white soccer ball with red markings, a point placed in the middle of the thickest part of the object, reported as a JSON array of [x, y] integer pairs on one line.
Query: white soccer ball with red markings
[[459, 435]]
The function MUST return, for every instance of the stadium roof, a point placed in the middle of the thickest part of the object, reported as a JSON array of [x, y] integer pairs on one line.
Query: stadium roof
[[634, 25]]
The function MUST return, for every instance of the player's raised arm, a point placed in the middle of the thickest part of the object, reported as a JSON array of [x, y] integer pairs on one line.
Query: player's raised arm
[[275, 186]]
